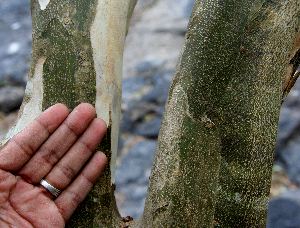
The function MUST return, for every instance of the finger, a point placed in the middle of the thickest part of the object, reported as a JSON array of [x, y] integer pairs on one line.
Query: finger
[[72, 196], [57, 144], [68, 167], [18, 150]]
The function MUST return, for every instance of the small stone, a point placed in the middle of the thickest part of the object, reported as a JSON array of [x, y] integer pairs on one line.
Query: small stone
[[283, 213], [291, 157], [135, 114], [16, 26], [13, 48], [131, 86], [11, 98], [135, 163], [150, 129]]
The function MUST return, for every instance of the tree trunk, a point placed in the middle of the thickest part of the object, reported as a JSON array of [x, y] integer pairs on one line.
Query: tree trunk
[[77, 57], [216, 146], [215, 151]]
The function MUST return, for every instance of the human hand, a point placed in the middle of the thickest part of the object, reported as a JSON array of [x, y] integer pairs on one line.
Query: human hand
[[54, 147]]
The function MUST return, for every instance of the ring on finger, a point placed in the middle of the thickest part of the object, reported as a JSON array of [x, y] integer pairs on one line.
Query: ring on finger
[[54, 191]]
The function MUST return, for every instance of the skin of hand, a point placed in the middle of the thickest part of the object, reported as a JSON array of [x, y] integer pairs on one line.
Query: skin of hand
[[59, 148]]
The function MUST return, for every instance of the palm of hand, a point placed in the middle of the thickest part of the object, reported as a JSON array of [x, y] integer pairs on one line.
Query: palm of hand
[[54, 147], [25, 205]]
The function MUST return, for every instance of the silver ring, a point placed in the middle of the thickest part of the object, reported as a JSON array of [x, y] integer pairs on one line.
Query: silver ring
[[54, 191]]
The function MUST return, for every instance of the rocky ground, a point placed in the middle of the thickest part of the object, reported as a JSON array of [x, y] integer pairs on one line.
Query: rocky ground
[[152, 48]]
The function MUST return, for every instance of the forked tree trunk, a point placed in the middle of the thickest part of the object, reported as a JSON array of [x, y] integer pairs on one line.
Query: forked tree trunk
[[77, 57], [215, 151]]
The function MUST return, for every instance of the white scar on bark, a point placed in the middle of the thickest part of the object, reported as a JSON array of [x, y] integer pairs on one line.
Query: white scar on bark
[[107, 34], [43, 4], [32, 104]]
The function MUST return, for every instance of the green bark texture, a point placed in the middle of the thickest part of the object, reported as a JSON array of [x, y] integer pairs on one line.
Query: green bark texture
[[63, 51], [69, 78], [214, 157], [215, 151]]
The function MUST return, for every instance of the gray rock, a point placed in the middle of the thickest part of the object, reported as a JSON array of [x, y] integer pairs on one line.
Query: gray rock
[[134, 165], [128, 173], [291, 157], [187, 10], [288, 138], [142, 153], [293, 195], [152, 103], [15, 45], [283, 213], [130, 87], [147, 68], [11, 98], [149, 129], [135, 115], [132, 178], [133, 209], [158, 94], [135, 192], [288, 127]]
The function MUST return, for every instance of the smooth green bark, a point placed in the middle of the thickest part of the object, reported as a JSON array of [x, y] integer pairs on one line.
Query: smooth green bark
[[223, 105]]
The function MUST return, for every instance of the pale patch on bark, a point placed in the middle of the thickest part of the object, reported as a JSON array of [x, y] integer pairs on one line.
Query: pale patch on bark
[[43, 4], [108, 33], [166, 159], [32, 104], [203, 118], [256, 6], [174, 115]]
